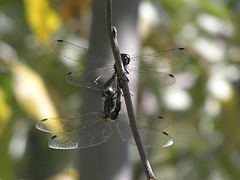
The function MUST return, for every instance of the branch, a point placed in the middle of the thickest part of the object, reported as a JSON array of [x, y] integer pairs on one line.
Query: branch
[[112, 35]]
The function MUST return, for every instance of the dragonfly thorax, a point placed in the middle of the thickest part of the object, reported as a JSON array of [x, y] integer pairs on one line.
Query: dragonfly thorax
[[108, 92]]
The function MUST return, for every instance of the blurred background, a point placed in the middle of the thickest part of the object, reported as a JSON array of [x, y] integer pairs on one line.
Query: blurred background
[[202, 106]]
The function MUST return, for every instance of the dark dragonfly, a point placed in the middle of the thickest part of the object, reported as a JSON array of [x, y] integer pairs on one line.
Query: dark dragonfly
[[147, 76], [91, 129], [112, 99]]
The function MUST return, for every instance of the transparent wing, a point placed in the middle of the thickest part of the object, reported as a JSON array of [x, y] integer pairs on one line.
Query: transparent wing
[[80, 131], [74, 52], [141, 80], [161, 59], [93, 79], [138, 80], [151, 134], [82, 138], [148, 75]]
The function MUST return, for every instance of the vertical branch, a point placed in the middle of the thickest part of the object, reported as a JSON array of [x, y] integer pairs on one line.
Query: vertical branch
[[112, 35]]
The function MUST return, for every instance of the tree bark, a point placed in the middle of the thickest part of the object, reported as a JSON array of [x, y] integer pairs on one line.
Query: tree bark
[[109, 161]]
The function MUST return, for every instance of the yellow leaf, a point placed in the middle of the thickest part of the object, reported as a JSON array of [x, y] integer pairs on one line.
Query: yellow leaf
[[31, 93], [28, 86], [5, 112], [41, 18]]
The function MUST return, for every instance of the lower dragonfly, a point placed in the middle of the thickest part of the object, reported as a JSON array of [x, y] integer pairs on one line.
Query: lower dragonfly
[[111, 102], [91, 129]]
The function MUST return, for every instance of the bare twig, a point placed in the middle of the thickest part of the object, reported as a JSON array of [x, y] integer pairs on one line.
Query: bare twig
[[112, 35]]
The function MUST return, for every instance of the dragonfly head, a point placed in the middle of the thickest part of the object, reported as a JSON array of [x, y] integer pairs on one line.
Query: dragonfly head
[[125, 59]]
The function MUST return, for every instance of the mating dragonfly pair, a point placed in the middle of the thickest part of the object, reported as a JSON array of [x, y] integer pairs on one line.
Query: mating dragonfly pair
[[90, 129]]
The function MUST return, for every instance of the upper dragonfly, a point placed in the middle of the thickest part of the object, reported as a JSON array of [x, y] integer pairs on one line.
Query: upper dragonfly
[[147, 74]]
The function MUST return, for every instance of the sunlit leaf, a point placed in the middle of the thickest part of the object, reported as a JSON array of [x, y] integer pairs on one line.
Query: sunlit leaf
[[5, 112], [66, 174], [216, 9], [31, 92], [42, 19], [28, 86]]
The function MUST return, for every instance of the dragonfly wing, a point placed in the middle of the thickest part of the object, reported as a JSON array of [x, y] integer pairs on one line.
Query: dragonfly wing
[[154, 122], [82, 138], [162, 59], [74, 52], [124, 130], [153, 138], [93, 79], [79, 131], [141, 80], [151, 135]]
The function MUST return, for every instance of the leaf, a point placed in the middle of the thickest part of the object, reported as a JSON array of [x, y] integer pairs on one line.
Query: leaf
[[41, 18], [31, 93], [5, 112]]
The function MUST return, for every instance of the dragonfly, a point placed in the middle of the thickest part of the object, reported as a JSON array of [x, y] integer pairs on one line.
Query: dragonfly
[[112, 98], [91, 129], [147, 74]]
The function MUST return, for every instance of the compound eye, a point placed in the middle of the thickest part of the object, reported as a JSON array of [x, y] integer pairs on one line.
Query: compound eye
[[125, 59]]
